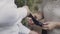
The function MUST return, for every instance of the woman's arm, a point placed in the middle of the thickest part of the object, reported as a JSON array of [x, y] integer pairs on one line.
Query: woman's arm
[[22, 28], [28, 10]]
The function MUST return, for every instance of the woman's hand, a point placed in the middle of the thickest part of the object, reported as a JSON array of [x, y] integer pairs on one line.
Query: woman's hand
[[49, 25], [37, 16]]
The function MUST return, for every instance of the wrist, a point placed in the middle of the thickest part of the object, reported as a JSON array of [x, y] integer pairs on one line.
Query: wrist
[[57, 24]]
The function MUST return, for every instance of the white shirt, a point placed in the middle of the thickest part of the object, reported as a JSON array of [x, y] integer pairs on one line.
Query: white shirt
[[10, 18]]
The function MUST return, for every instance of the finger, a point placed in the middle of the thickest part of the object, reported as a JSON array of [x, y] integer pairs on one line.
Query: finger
[[45, 26], [45, 23], [35, 17], [30, 21], [28, 18]]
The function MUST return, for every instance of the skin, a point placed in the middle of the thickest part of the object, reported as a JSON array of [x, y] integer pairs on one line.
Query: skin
[[31, 32], [47, 25]]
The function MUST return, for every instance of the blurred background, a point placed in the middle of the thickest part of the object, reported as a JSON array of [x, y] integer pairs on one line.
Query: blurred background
[[35, 8]]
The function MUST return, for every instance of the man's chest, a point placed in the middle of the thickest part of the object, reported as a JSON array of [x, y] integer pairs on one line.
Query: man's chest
[[52, 11]]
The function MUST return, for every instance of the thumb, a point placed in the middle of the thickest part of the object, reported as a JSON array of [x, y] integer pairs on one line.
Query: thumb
[[30, 21]]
